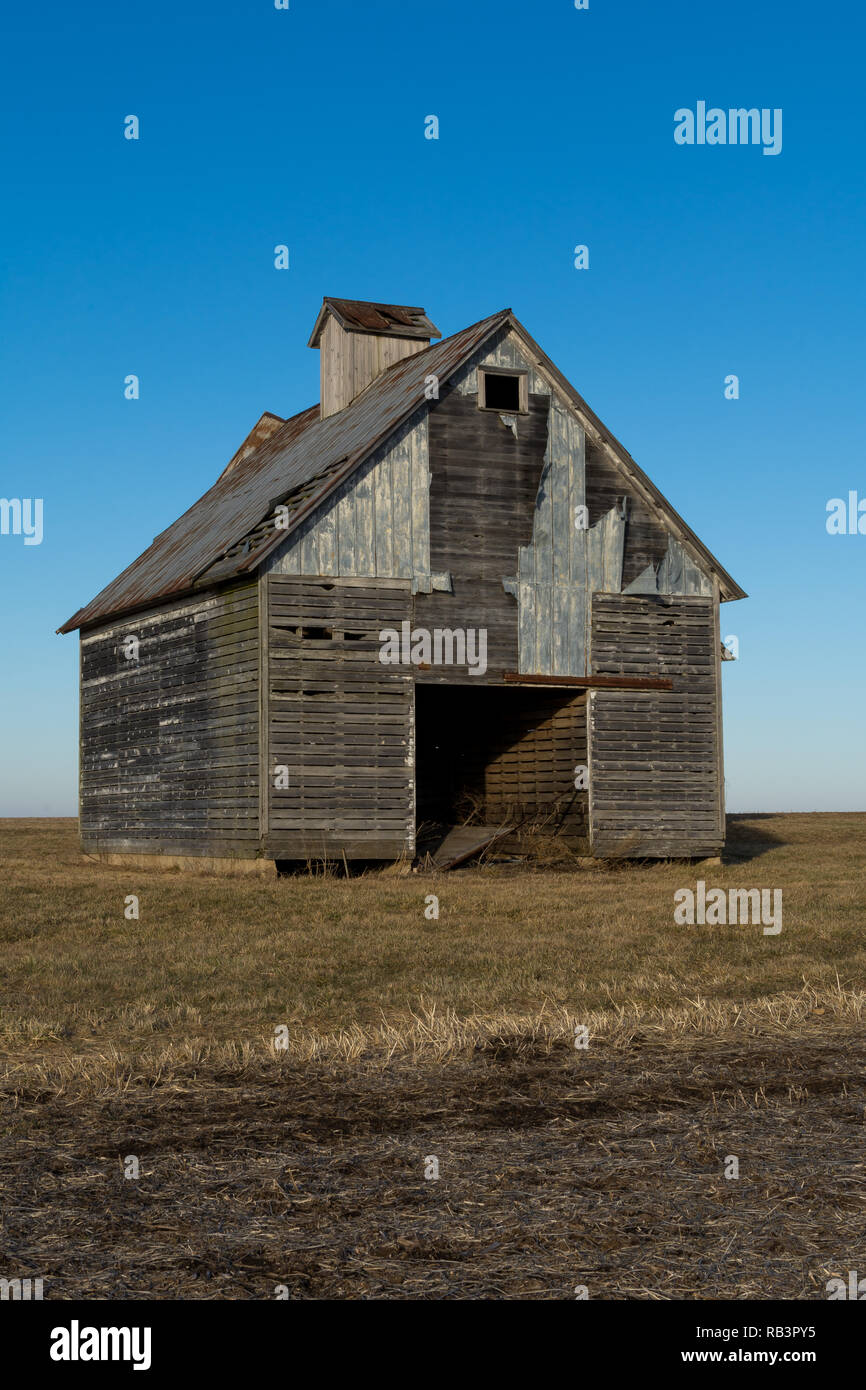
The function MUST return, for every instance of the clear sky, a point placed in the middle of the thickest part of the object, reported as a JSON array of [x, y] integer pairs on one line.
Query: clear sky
[[306, 127]]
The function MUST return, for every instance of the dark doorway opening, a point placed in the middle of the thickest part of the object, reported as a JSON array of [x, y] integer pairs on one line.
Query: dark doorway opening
[[486, 755]]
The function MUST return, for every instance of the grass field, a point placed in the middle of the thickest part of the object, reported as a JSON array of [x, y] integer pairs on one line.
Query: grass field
[[410, 1037]]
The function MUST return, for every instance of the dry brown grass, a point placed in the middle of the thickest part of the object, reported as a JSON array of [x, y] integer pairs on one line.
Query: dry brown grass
[[431, 1037], [410, 1037], [216, 962]]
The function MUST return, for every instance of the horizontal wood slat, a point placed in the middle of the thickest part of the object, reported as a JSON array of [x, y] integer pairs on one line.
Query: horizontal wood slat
[[591, 682]]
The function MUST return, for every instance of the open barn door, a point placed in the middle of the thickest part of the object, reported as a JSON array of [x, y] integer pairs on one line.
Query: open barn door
[[340, 758], [492, 756]]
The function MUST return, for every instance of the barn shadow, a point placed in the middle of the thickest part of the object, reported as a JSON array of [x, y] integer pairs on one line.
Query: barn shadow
[[746, 840]]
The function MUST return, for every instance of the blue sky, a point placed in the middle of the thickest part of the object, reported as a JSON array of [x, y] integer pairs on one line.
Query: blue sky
[[306, 127]]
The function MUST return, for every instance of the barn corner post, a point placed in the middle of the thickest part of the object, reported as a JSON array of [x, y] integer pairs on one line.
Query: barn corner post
[[264, 763], [720, 747], [80, 747]]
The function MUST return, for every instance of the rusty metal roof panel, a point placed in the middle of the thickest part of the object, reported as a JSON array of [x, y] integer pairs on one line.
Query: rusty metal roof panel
[[365, 316], [264, 427], [304, 449]]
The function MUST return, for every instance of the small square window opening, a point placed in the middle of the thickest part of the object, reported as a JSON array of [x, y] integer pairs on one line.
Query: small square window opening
[[502, 392]]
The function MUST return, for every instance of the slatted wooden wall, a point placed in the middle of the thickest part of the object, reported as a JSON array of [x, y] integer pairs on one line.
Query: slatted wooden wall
[[655, 758], [339, 721], [169, 742], [530, 767]]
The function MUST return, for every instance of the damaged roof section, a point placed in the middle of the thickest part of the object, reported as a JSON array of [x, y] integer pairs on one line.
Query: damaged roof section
[[361, 316], [304, 450], [267, 425], [256, 544]]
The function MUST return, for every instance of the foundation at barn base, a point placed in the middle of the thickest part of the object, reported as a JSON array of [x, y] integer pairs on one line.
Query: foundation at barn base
[[509, 840], [185, 863]]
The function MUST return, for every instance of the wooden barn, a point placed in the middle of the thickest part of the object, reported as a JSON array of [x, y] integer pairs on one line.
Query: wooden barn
[[446, 595]]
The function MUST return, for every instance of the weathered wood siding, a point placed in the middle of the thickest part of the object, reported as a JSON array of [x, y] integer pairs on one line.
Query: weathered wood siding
[[655, 758], [377, 523], [505, 351], [169, 742], [339, 722], [653, 561], [646, 538], [483, 488], [350, 361], [566, 562], [561, 563], [675, 573], [482, 521], [551, 576]]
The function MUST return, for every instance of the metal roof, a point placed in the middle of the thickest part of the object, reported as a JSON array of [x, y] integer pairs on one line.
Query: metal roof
[[304, 450], [230, 529]]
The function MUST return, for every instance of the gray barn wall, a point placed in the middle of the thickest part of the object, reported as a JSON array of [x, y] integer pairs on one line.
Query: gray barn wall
[[169, 743], [484, 486]]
